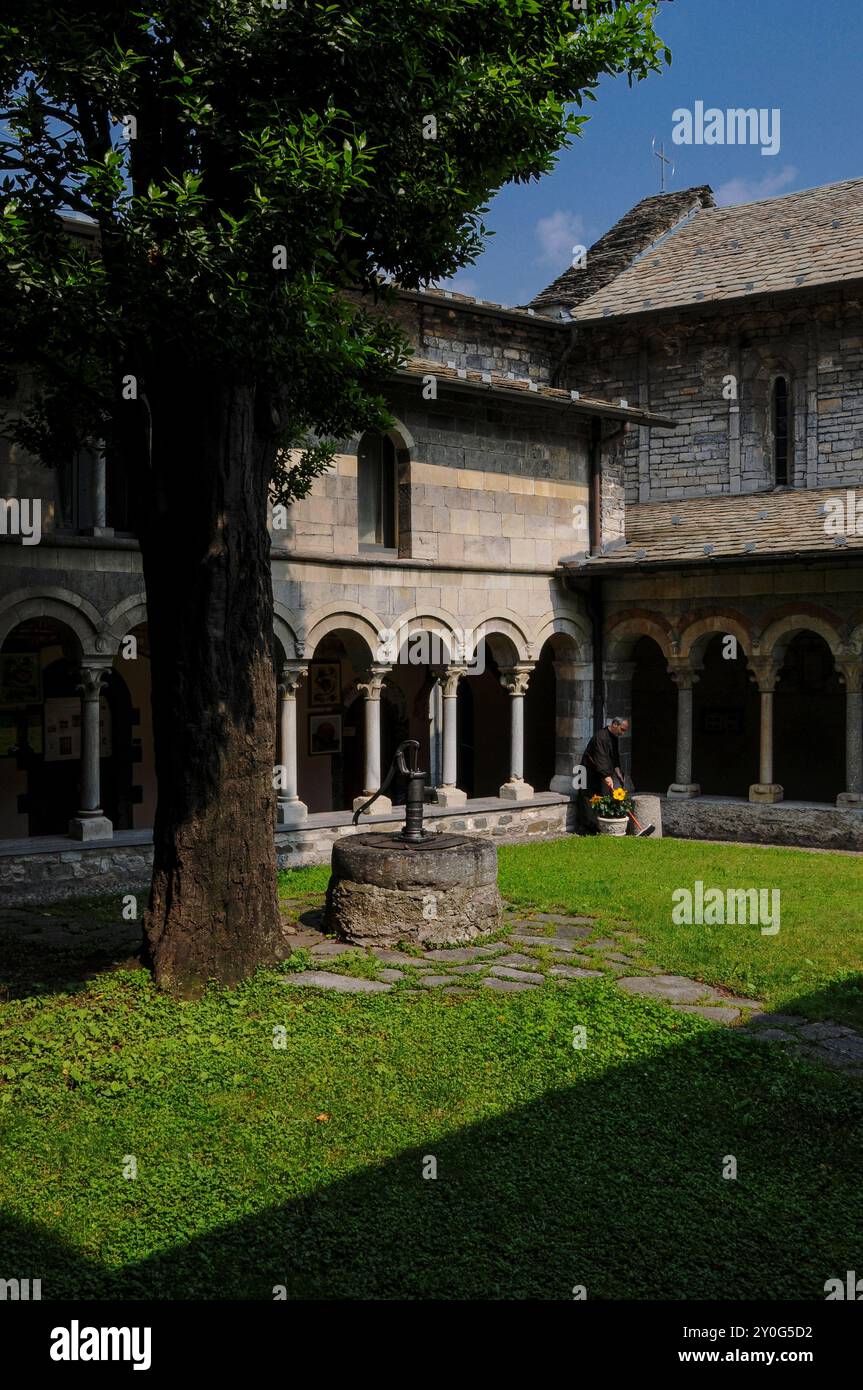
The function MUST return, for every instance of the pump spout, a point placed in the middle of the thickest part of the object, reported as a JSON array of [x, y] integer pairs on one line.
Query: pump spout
[[412, 831]]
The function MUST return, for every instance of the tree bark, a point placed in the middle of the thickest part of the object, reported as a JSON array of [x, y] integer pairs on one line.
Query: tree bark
[[212, 912]]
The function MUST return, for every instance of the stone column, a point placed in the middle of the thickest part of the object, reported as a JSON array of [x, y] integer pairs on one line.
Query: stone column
[[98, 496], [765, 672], [684, 678], [290, 810], [91, 823], [617, 677], [371, 688], [850, 668], [448, 794], [573, 682], [514, 679]]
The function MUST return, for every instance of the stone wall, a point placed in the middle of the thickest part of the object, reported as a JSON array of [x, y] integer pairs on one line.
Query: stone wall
[[717, 818], [482, 482], [452, 332], [690, 368], [56, 874]]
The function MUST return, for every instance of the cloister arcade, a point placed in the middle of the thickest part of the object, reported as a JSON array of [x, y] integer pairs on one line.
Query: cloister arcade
[[718, 707], [498, 721], [775, 712]]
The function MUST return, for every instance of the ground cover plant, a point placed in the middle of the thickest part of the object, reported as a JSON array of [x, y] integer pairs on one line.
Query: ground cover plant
[[273, 1137]]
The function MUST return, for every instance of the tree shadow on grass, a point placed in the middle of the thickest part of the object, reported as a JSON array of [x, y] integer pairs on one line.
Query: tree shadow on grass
[[614, 1182]]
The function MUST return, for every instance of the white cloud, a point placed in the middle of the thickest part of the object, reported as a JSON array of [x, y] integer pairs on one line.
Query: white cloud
[[751, 190], [557, 234]]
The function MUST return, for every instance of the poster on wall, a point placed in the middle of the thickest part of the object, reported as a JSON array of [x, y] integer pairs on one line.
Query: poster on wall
[[325, 684], [325, 734], [20, 678], [63, 729]]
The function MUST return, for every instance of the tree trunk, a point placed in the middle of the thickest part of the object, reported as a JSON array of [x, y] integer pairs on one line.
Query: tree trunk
[[212, 912]]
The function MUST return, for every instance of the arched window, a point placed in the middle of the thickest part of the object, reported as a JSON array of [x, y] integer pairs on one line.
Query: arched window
[[781, 426], [376, 492]]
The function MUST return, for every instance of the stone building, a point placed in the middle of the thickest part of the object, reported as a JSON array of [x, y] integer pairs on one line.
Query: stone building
[[639, 494]]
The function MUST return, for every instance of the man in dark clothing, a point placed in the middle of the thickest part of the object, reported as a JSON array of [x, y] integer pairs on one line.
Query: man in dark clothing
[[601, 762], [601, 758]]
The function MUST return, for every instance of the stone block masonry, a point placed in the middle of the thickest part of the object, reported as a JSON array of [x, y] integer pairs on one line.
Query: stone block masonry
[[52, 874]]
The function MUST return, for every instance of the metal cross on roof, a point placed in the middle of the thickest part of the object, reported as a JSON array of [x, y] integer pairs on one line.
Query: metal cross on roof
[[663, 160]]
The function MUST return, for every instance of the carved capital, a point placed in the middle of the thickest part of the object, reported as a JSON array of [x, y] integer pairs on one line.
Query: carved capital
[[91, 680], [373, 683], [683, 675], [850, 669], [764, 671], [291, 675], [449, 679], [514, 679]]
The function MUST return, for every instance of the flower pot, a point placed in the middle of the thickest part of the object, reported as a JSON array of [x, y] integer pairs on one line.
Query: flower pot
[[612, 825]]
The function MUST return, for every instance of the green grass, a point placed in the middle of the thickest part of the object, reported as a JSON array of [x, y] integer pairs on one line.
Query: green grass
[[260, 1166], [811, 966], [302, 1167]]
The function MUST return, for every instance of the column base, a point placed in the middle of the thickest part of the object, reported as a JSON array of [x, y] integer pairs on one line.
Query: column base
[[104, 531], [766, 792], [291, 812], [451, 796], [684, 789], [852, 800], [516, 791], [561, 783], [91, 828], [381, 807]]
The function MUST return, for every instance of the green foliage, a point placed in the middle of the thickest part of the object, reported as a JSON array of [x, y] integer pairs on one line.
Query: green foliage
[[277, 180]]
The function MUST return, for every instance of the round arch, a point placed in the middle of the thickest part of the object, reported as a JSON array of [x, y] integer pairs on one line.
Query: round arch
[[696, 636], [127, 614], [571, 625], [64, 606], [351, 617], [623, 636], [775, 638], [285, 628]]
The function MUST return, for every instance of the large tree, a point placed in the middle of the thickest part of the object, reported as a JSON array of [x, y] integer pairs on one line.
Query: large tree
[[258, 171]]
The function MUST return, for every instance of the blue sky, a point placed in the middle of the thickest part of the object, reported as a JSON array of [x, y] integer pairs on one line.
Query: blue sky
[[803, 56]]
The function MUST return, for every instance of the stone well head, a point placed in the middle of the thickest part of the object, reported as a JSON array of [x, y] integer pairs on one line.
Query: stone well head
[[412, 885]]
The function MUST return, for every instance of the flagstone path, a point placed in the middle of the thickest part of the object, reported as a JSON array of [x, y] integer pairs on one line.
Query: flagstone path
[[536, 947]]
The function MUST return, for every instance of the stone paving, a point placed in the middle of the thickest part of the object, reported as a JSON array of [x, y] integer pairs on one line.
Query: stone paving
[[531, 950], [549, 946]]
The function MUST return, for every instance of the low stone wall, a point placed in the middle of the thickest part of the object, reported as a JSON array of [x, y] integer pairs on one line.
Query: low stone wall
[[49, 871], [794, 824], [545, 817], [52, 875]]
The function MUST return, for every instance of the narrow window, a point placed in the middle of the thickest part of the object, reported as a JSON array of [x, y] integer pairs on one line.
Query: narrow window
[[376, 492], [781, 431]]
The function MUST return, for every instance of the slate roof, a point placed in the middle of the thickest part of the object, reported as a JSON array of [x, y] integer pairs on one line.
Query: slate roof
[[810, 238], [607, 258], [513, 386], [751, 527]]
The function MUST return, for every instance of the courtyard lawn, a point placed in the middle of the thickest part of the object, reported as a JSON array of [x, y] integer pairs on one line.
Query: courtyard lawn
[[302, 1167], [258, 1166], [813, 965]]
